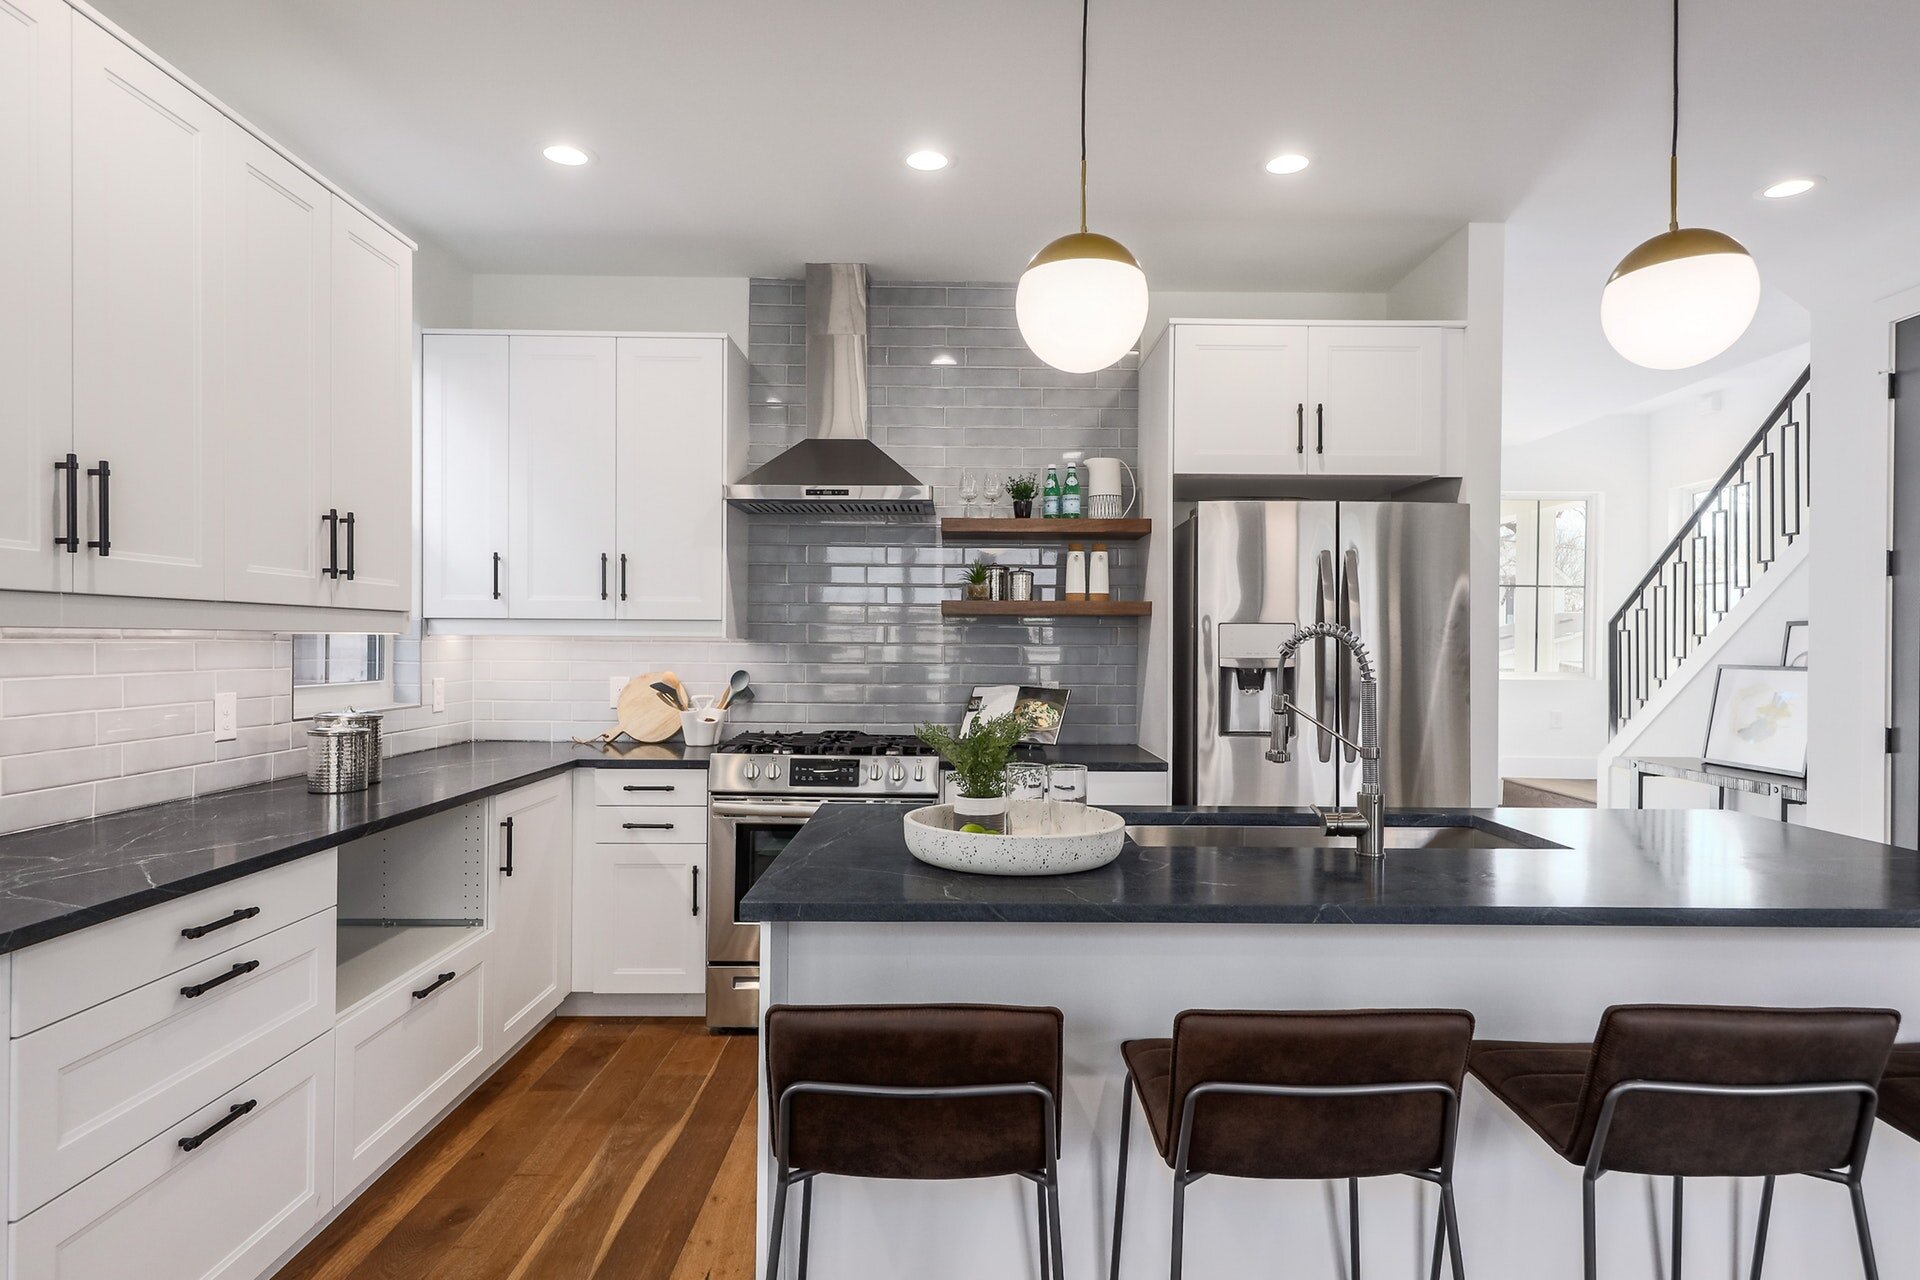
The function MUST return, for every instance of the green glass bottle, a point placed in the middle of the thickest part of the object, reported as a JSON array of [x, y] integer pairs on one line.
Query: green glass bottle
[[1050, 494], [1070, 493]]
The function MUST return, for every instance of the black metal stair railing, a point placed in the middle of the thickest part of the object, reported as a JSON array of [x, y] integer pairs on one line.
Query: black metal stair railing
[[1742, 525]]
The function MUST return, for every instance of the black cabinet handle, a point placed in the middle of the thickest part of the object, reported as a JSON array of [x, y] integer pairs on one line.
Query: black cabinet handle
[[648, 786], [623, 575], [1300, 428], [72, 539], [507, 827], [332, 521], [352, 556], [434, 986], [696, 891], [202, 930], [496, 575], [646, 826], [234, 1112], [194, 990], [603, 575], [105, 545], [1320, 428]]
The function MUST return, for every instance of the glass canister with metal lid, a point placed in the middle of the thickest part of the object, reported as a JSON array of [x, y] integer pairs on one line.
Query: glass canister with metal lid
[[339, 758], [368, 720]]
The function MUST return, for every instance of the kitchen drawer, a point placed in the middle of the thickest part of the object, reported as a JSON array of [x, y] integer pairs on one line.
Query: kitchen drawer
[[224, 1210], [649, 786], [90, 1088], [67, 974], [648, 826], [400, 1058]]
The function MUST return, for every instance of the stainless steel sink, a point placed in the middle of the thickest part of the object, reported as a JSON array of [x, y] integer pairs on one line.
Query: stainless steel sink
[[1207, 836]]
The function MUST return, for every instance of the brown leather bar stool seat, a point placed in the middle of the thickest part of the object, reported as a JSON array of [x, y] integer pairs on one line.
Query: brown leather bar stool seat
[[1302, 1095], [1900, 1090], [914, 1091], [1685, 1091]]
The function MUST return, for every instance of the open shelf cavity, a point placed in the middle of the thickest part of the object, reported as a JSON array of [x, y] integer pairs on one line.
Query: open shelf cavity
[[407, 895]]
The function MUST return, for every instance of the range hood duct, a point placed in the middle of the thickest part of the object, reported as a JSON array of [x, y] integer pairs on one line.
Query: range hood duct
[[836, 472]]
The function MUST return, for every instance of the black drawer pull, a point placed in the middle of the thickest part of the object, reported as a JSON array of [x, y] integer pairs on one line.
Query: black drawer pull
[[105, 544], [353, 558], [72, 539], [434, 986], [650, 786], [507, 826], [332, 520], [202, 930], [194, 990], [696, 891], [496, 575], [234, 1112], [647, 826]]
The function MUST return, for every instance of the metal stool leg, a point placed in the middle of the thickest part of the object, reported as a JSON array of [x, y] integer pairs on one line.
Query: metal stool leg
[[1053, 1226], [1679, 1217], [1043, 1239], [1860, 1224], [1760, 1232], [780, 1189], [806, 1224], [1120, 1177], [1353, 1229], [1179, 1224], [1591, 1246], [1440, 1233], [1453, 1230]]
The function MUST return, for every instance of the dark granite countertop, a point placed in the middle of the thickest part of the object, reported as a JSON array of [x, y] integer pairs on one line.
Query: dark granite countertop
[[54, 880], [1611, 867], [1128, 759]]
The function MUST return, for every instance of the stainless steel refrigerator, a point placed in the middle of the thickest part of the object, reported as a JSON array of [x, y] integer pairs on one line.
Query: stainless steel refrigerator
[[1245, 573]]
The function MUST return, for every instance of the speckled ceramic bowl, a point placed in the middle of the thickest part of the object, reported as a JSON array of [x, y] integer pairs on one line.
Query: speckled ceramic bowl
[[1082, 838]]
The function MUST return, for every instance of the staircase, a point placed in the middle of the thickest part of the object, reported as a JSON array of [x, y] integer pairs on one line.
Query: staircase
[[1745, 524]]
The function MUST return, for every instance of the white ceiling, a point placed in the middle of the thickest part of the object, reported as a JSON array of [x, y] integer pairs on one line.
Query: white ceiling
[[751, 136]]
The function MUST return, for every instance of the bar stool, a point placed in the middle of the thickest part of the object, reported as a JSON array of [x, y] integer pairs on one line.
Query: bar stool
[[1692, 1091], [914, 1091], [1900, 1090], [1307, 1095]]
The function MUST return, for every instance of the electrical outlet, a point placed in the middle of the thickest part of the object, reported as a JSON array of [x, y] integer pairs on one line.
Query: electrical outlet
[[226, 717], [614, 685], [1555, 720], [439, 693]]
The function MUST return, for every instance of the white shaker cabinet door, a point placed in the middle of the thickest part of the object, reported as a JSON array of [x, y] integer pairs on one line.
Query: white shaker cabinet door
[[275, 425], [1381, 392], [1240, 402], [672, 466], [36, 299], [561, 564], [532, 907], [149, 235], [637, 919], [464, 500], [371, 393]]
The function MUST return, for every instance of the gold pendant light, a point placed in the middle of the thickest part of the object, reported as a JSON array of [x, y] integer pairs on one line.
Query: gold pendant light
[[1082, 301], [1687, 294]]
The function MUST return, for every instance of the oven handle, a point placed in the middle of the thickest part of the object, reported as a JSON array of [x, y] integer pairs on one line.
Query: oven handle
[[795, 811]]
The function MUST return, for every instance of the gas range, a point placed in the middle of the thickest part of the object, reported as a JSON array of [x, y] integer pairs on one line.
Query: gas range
[[825, 765]]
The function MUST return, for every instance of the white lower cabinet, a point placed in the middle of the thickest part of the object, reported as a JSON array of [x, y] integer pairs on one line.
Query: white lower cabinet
[[217, 1196], [402, 1055], [532, 834], [639, 928]]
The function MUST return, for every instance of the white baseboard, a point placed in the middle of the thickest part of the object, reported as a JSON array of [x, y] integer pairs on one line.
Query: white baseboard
[[586, 1004], [1547, 767]]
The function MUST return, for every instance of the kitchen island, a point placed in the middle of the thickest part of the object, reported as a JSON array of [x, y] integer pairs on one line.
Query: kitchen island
[[1535, 920]]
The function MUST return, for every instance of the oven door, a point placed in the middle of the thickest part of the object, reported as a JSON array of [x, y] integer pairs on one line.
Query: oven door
[[744, 839]]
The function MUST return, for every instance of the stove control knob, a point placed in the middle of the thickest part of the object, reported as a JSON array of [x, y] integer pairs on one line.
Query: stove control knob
[[920, 771], [897, 774], [753, 771], [873, 773], [773, 771]]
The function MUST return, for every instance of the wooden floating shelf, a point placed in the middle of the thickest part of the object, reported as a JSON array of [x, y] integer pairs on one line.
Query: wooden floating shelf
[[1007, 529], [1045, 608]]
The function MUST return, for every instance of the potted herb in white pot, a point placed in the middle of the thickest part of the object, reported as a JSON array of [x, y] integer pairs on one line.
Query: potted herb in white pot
[[979, 755]]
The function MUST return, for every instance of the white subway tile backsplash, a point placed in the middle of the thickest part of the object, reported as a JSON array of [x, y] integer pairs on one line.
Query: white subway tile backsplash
[[46, 658], [28, 697], [46, 769], [43, 808], [139, 723], [183, 685], [22, 734]]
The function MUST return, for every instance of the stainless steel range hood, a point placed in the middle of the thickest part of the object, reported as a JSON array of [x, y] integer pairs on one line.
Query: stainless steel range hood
[[836, 471]]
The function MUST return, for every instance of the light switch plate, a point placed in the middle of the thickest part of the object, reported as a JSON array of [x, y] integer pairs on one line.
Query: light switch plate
[[226, 717], [439, 693], [614, 685]]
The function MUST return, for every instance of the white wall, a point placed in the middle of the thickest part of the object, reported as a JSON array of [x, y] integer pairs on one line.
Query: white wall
[[1555, 726], [1437, 288], [689, 304], [442, 288], [1474, 453], [1173, 304]]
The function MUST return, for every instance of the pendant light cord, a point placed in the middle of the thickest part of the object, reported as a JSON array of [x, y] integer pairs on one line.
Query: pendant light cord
[[1673, 143], [1086, 8]]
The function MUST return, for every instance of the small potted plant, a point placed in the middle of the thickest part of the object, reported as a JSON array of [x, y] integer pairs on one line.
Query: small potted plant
[[1022, 489], [974, 581], [979, 755]]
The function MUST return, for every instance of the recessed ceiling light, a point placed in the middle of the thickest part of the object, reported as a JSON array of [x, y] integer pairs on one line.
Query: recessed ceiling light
[[1292, 162], [943, 358], [563, 153], [927, 161], [1787, 187]]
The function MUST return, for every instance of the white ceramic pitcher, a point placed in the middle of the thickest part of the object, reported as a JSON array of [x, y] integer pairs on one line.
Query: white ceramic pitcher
[[1104, 490]]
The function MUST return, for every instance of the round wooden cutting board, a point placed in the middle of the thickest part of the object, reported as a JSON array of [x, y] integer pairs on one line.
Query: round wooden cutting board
[[644, 715]]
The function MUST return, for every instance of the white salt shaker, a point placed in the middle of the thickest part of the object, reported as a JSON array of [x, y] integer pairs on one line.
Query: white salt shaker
[[1076, 581], [1099, 585]]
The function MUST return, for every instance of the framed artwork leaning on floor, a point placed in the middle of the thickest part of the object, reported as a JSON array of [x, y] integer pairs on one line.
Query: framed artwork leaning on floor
[[1759, 720], [1793, 651]]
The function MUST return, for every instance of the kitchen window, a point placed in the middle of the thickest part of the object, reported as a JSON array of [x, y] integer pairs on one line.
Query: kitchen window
[[1545, 568], [335, 670]]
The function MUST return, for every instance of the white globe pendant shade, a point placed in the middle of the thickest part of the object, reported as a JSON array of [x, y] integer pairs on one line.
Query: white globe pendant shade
[[1082, 302], [1680, 298]]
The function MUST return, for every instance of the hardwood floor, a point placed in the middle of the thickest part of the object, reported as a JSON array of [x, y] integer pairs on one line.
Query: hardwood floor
[[607, 1147]]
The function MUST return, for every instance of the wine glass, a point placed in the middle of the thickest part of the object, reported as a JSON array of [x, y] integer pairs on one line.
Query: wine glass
[[969, 489]]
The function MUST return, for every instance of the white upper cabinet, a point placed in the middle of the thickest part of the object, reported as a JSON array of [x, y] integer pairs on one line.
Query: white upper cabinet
[[149, 236], [561, 564], [1240, 400], [36, 314], [464, 526], [672, 458], [1256, 399], [372, 420], [1379, 400], [276, 428]]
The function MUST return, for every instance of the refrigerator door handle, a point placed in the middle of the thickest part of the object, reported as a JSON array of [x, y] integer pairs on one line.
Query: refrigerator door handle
[[1350, 619], [1324, 606]]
